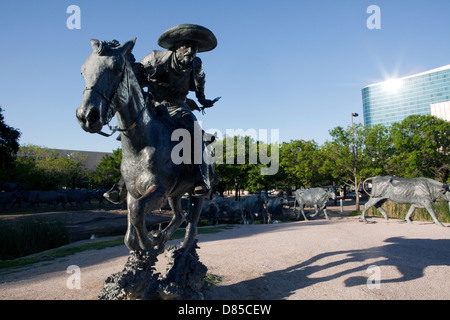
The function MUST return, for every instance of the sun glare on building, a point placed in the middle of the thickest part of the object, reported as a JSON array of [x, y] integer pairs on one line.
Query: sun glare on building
[[396, 98], [392, 85]]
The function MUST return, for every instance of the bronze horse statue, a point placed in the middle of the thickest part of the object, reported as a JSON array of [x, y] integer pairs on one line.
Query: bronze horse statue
[[150, 175]]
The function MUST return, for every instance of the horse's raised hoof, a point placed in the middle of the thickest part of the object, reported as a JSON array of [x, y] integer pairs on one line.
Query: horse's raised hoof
[[159, 241]]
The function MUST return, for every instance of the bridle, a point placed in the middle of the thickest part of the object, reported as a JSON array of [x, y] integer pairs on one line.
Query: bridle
[[111, 111]]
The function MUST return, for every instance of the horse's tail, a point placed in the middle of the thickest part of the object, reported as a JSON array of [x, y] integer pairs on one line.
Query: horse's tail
[[364, 183]]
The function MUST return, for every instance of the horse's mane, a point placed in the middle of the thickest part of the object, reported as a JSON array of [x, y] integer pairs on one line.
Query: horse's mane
[[138, 68], [105, 46]]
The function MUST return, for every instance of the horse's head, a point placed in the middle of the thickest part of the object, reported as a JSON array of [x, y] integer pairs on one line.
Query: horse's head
[[103, 73]]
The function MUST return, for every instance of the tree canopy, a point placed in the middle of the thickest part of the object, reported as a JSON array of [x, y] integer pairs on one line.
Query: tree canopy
[[417, 146]]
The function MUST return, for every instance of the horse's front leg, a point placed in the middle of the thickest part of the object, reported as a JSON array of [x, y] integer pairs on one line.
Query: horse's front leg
[[137, 237]]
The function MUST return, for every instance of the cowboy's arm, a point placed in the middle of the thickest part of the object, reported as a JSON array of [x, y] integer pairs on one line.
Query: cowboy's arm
[[200, 85]]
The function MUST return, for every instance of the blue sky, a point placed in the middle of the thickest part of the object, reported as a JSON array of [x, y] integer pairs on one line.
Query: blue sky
[[293, 65]]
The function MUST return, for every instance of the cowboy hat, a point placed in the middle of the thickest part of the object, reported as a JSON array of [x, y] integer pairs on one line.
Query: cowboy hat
[[173, 37]]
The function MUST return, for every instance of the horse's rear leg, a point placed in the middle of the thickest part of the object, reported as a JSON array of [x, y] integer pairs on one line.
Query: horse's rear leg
[[137, 237], [192, 219], [177, 219], [181, 255], [186, 276]]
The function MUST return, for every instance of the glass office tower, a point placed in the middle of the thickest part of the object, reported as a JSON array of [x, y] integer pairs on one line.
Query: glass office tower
[[393, 100]]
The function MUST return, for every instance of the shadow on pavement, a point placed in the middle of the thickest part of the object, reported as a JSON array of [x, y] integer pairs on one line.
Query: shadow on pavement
[[409, 256]]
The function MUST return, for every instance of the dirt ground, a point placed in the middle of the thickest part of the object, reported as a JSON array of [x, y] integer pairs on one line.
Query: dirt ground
[[339, 259]]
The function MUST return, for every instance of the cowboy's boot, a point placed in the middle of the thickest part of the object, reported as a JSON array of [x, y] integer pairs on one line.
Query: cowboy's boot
[[201, 188]]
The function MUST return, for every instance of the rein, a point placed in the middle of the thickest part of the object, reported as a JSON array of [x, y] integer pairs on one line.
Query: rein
[[117, 129]]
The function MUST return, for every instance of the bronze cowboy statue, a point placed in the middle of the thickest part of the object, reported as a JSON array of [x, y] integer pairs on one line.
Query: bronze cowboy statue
[[169, 75]]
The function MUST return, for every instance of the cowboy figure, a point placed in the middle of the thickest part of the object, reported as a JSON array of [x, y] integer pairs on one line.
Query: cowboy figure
[[173, 73], [170, 75]]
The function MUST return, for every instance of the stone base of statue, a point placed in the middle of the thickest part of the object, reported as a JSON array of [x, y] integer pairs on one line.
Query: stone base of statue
[[136, 279], [184, 279]]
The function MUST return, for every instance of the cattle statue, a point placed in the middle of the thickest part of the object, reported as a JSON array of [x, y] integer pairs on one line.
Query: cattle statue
[[419, 192], [8, 199], [79, 196], [210, 211], [37, 197], [254, 206], [275, 208], [229, 209], [316, 198]]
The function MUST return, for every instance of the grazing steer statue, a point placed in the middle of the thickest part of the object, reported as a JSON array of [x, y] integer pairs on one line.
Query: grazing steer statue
[[419, 192], [315, 197]]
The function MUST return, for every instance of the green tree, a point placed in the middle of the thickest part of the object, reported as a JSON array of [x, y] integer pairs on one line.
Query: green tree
[[46, 169], [65, 170], [339, 160], [355, 154], [241, 162], [421, 146], [234, 166], [378, 150], [259, 176], [300, 160], [9, 144], [107, 172], [26, 172]]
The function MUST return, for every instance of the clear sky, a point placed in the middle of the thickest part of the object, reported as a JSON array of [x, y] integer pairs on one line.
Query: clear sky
[[293, 65]]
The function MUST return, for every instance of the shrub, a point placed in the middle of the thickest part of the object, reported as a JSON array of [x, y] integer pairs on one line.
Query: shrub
[[30, 235]]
